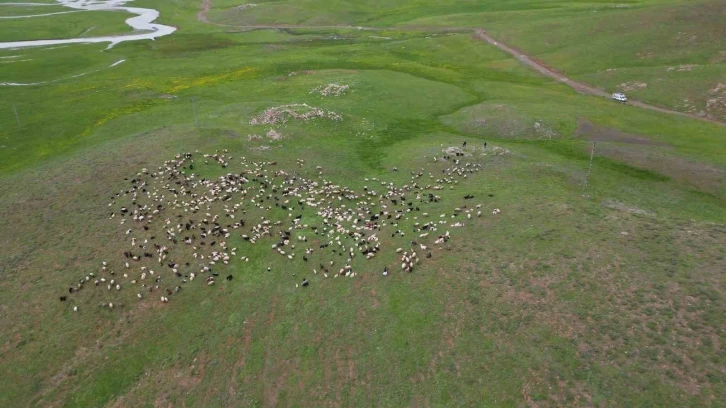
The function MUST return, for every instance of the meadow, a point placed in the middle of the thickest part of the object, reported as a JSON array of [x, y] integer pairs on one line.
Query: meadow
[[70, 25], [600, 283]]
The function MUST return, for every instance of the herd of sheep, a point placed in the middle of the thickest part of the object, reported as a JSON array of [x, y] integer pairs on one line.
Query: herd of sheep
[[180, 226]]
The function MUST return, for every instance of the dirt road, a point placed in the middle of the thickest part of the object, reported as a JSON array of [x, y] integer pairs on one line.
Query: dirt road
[[578, 86], [482, 35]]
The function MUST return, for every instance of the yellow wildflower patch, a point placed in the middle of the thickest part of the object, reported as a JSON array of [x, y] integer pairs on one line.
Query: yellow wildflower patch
[[139, 84], [118, 112], [185, 83]]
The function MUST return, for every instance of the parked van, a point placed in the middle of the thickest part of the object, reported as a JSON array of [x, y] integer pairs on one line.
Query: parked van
[[620, 97]]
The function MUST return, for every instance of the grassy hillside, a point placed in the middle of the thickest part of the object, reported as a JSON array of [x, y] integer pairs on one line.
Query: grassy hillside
[[668, 53], [600, 283], [665, 52]]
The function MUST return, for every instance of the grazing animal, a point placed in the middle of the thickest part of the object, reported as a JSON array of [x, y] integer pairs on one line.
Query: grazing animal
[[63, 298], [348, 227]]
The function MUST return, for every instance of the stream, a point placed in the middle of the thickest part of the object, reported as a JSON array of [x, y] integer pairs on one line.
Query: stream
[[143, 20]]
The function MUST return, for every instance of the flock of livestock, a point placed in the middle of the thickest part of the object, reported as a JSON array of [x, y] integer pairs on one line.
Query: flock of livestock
[[181, 227]]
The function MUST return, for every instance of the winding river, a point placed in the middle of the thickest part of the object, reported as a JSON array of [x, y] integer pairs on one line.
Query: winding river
[[143, 20]]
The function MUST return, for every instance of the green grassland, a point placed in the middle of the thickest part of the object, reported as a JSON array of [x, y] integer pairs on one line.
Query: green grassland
[[27, 10], [71, 25], [676, 50], [611, 296]]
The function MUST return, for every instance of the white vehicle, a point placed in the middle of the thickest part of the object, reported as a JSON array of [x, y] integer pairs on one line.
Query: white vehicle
[[620, 97]]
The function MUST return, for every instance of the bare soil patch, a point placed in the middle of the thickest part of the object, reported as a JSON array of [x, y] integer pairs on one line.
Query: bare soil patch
[[632, 86], [681, 68], [202, 14], [245, 6], [617, 205], [644, 153], [331, 90], [701, 176], [297, 111], [718, 58], [274, 135], [456, 151], [716, 102], [596, 133]]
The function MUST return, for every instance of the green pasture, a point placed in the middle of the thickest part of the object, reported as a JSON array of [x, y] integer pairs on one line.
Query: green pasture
[[71, 25], [600, 283]]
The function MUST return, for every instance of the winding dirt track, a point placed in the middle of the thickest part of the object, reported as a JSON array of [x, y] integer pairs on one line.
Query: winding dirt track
[[578, 86], [479, 34]]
